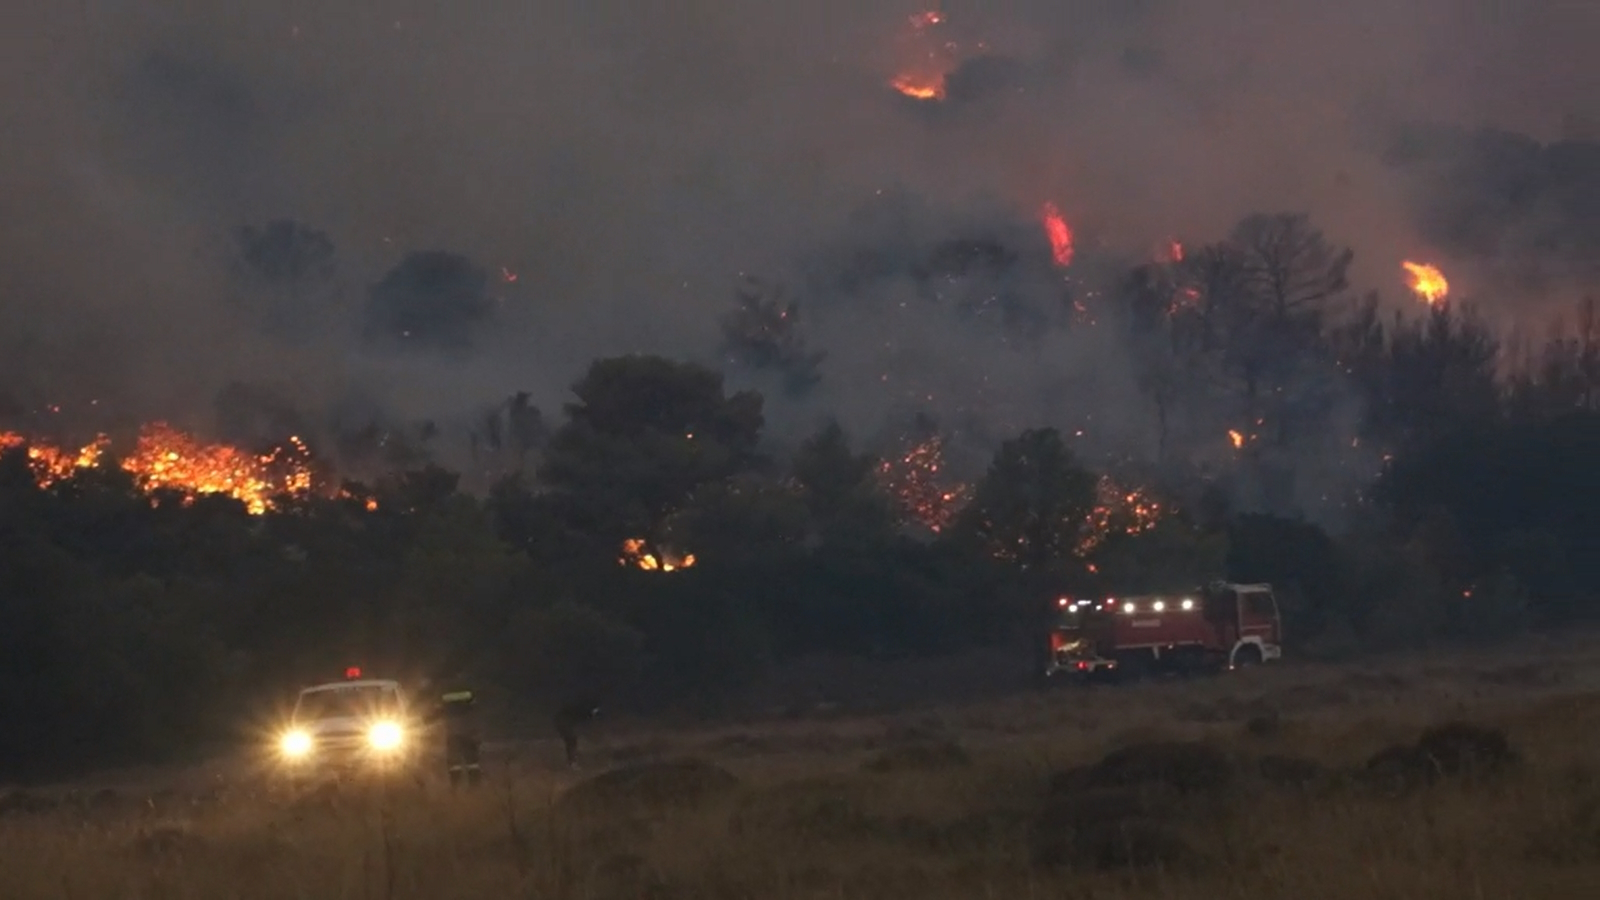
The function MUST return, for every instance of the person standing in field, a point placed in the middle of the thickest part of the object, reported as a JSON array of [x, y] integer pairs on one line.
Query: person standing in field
[[462, 741], [568, 719]]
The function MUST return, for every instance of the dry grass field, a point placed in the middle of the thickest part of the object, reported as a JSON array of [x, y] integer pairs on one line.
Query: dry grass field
[[1254, 785]]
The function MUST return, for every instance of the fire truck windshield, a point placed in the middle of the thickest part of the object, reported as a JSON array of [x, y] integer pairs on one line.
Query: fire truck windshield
[[364, 701]]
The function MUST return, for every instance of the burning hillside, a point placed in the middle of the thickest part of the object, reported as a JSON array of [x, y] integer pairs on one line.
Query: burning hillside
[[166, 459], [50, 463]]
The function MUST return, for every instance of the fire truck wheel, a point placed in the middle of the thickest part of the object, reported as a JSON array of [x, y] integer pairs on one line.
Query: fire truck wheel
[[1247, 656]]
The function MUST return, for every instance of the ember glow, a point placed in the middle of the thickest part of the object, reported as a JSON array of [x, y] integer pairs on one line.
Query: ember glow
[[916, 482], [1237, 437], [165, 458], [1059, 233], [1119, 510], [919, 87], [638, 554], [928, 60], [1426, 281]]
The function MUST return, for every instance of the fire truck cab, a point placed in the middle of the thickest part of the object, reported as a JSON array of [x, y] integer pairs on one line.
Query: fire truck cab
[[358, 724], [1222, 626]]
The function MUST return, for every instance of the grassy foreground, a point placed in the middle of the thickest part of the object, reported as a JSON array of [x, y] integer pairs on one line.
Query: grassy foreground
[[1008, 800]]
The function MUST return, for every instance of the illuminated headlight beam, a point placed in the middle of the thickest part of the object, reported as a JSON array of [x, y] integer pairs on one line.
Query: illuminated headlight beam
[[295, 744], [385, 736]]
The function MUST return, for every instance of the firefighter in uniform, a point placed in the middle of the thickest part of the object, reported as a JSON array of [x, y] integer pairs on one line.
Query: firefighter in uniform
[[462, 742], [567, 720]]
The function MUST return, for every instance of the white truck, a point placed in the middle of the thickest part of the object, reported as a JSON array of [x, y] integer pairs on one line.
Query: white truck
[[355, 725]]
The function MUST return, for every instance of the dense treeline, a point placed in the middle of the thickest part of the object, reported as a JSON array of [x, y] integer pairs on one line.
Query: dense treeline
[[657, 549]]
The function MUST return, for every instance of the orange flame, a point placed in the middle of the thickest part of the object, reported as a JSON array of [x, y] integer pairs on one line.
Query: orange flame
[[50, 463], [165, 458], [636, 553], [1426, 281], [1237, 437], [919, 87], [924, 78], [1059, 233]]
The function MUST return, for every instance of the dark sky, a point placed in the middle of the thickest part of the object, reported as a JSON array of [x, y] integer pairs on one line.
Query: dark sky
[[629, 159]]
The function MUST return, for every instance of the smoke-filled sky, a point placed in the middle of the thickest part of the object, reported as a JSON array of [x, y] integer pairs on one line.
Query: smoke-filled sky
[[629, 160]]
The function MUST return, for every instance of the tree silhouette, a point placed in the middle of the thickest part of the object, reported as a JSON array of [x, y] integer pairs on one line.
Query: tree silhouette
[[1032, 505], [644, 433], [431, 301]]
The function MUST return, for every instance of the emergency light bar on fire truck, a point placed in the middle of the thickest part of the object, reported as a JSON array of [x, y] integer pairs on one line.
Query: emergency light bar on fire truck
[[1223, 626]]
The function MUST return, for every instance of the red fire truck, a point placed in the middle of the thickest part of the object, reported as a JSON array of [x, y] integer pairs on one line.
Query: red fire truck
[[1223, 626]]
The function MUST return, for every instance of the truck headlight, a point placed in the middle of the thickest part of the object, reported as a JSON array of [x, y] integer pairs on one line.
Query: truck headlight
[[385, 736], [295, 744]]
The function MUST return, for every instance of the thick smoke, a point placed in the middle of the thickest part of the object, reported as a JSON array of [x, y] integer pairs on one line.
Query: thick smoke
[[614, 169]]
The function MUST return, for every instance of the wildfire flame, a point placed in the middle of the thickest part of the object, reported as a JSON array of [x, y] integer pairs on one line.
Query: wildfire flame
[[50, 463], [165, 458], [636, 553], [1059, 233], [920, 87], [1426, 281], [913, 479], [924, 78], [1237, 437]]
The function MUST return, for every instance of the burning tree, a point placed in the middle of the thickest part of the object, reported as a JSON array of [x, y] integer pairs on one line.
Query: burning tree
[[1119, 510], [916, 481]]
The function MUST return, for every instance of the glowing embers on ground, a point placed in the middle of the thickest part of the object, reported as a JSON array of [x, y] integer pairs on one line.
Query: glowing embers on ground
[[639, 554], [1059, 233], [165, 458], [929, 59], [1426, 281], [915, 481]]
